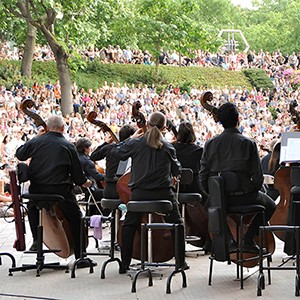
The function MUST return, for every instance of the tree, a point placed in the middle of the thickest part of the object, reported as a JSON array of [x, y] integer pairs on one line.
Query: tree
[[42, 14], [172, 24], [28, 50]]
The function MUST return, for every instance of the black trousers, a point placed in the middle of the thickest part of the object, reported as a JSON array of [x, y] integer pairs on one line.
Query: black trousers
[[70, 210], [259, 199], [133, 221]]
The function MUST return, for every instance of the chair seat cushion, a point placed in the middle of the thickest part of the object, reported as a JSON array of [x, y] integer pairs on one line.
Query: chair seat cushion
[[189, 198], [149, 206], [110, 203], [245, 209], [43, 197]]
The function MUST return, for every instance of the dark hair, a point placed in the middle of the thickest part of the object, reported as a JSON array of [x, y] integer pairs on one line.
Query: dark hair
[[82, 144], [125, 132], [186, 134], [228, 115]]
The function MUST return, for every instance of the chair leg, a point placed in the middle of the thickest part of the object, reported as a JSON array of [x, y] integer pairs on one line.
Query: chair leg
[[83, 257], [112, 246], [13, 260], [210, 270]]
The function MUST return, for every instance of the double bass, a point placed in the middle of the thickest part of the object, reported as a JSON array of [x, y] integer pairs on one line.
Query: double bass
[[56, 233], [205, 99], [162, 241]]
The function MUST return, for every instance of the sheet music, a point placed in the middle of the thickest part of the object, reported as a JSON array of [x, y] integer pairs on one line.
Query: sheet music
[[293, 149], [290, 147]]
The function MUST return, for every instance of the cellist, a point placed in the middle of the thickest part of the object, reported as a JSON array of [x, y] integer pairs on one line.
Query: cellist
[[54, 166], [104, 152], [154, 163], [231, 151]]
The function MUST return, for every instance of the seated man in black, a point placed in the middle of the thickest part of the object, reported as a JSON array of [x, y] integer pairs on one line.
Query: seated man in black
[[54, 167], [83, 147], [231, 151]]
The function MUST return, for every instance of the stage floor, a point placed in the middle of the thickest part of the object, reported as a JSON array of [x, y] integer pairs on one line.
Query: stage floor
[[59, 285]]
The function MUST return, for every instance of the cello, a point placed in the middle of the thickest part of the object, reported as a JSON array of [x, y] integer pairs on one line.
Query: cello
[[57, 233], [162, 241], [205, 99]]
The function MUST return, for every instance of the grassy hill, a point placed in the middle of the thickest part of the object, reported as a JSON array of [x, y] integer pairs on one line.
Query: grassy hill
[[92, 75]]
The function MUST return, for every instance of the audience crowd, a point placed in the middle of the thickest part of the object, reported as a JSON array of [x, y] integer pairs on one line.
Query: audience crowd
[[264, 114]]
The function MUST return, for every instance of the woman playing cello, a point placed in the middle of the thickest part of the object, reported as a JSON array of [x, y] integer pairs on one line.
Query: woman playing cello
[[154, 163], [189, 154]]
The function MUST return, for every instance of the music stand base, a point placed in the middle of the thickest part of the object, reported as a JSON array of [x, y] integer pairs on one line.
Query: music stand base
[[39, 267]]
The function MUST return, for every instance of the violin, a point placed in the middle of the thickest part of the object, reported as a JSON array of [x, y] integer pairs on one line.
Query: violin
[[205, 99], [57, 233], [162, 241]]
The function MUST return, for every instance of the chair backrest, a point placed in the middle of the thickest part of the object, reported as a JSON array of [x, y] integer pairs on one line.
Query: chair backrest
[[295, 175], [186, 176], [22, 172], [231, 181]]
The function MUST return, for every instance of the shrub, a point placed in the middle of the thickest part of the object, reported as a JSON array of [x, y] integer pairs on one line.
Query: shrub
[[93, 74], [258, 78]]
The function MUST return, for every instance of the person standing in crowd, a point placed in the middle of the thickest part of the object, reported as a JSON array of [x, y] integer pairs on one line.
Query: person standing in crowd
[[231, 151], [54, 167], [154, 163]]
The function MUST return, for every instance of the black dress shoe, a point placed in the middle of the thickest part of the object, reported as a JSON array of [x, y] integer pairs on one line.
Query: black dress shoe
[[185, 266], [207, 246], [86, 264], [33, 247], [123, 270]]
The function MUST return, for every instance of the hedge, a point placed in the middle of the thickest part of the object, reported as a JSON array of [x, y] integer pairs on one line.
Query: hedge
[[95, 73]]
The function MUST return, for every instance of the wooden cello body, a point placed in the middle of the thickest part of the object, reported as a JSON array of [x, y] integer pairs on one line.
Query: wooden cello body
[[282, 183]]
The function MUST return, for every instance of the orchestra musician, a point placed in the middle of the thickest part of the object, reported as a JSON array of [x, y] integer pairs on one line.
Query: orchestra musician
[[231, 151], [154, 163], [83, 146], [112, 163], [54, 167], [189, 155]]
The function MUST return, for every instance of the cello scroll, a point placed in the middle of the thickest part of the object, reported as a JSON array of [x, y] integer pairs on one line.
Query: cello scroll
[[91, 117], [25, 107], [205, 98], [137, 116]]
